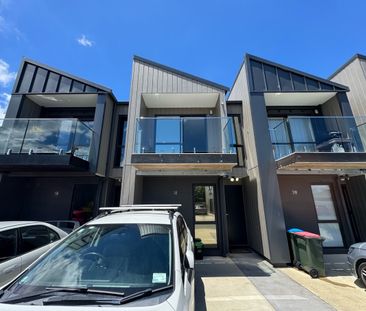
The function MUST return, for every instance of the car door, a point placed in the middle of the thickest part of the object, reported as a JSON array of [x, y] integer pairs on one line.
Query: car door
[[34, 241], [187, 274], [10, 265]]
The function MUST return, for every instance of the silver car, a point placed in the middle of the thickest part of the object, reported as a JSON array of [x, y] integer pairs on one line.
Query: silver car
[[21, 243], [357, 260]]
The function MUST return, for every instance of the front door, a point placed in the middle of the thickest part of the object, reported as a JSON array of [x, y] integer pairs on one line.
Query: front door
[[235, 216]]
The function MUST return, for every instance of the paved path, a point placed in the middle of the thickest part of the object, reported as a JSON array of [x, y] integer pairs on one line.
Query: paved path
[[247, 282]]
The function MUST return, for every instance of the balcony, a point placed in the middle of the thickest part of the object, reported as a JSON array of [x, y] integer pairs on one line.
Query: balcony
[[319, 142], [184, 143], [44, 143]]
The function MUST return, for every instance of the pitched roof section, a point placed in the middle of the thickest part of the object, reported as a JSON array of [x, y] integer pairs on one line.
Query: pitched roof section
[[181, 73], [35, 77], [267, 76], [360, 56]]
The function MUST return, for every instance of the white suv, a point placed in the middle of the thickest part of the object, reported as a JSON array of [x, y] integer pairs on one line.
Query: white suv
[[132, 257]]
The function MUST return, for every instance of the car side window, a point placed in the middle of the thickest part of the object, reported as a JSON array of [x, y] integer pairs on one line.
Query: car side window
[[33, 237], [182, 236], [8, 244], [53, 235]]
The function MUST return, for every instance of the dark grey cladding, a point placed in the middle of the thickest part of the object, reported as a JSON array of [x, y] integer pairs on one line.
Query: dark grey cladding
[[37, 78], [266, 76]]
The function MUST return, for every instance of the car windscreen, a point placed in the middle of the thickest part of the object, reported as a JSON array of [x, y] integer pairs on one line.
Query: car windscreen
[[118, 257]]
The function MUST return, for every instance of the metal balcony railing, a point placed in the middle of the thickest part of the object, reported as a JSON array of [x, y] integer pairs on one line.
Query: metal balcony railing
[[317, 134], [185, 135], [45, 136]]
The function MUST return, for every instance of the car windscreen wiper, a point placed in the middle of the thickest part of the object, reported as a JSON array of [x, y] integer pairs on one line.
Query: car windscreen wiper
[[144, 293], [50, 290], [77, 300]]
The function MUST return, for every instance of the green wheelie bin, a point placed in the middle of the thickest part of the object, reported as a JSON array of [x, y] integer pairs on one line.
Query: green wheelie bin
[[310, 251], [198, 249], [292, 237]]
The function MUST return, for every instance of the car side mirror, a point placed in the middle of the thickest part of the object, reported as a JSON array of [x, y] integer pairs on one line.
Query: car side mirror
[[189, 260]]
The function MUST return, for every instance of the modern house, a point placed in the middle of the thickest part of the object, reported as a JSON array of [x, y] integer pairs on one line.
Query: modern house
[[56, 157], [184, 145], [353, 74], [284, 149], [303, 148]]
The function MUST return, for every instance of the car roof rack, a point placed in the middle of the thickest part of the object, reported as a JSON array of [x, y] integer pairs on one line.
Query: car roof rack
[[141, 207]]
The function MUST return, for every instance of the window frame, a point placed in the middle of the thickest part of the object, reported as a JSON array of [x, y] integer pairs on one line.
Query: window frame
[[16, 252], [121, 136], [337, 216], [182, 233], [20, 239]]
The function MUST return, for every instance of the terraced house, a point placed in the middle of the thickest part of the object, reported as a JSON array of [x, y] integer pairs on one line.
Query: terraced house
[[282, 149]]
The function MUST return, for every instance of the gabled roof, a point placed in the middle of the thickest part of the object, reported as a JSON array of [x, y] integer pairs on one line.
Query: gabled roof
[[265, 70], [359, 56], [181, 73]]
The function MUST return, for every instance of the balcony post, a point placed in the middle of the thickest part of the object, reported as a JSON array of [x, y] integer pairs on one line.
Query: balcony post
[[25, 133]]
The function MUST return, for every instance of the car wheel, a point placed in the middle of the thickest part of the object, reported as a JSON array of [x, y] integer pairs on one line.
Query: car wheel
[[362, 272], [314, 273]]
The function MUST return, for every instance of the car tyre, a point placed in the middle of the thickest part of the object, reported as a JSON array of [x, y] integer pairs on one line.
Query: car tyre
[[362, 272]]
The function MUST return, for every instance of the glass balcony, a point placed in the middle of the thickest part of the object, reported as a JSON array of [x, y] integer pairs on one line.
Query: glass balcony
[[317, 134], [185, 135], [45, 136]]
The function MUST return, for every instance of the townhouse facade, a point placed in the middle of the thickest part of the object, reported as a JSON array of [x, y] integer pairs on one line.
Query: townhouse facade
[[283, 149]]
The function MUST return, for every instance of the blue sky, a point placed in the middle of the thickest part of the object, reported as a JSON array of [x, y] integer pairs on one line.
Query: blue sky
[[96, 39]]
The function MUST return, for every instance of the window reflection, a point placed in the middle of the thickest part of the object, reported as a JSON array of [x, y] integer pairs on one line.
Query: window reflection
[[205, 215]]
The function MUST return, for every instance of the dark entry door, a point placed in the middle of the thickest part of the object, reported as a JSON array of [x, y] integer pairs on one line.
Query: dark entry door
[[83, 202], [235, 216], [194, 135]]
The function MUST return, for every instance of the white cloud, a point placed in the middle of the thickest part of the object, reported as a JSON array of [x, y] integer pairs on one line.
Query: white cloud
[[3, 25], [84, 41], [5, 75], [4, 102]]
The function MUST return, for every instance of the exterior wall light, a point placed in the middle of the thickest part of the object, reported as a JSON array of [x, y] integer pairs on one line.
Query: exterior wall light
[[232, 179], [237, 179]]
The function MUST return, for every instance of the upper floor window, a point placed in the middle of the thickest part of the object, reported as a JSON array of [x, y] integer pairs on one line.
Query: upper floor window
[[121, 141]]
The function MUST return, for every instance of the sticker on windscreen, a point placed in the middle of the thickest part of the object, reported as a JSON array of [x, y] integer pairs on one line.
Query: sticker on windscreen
[[159, 278]]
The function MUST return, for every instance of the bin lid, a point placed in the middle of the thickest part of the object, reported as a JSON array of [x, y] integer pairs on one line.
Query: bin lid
[[307, 234], [292, 230]]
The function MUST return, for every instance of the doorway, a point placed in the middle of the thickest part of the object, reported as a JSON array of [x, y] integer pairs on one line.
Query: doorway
[[83, 202], [237, 233]]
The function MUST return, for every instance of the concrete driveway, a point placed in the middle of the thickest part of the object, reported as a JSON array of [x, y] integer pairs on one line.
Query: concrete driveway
[[340, 289], [247, 282]]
